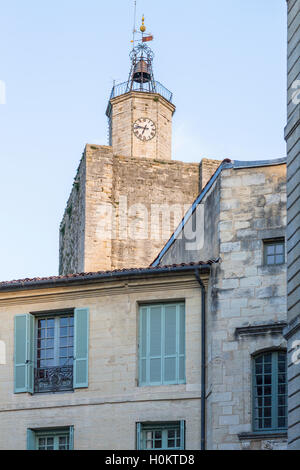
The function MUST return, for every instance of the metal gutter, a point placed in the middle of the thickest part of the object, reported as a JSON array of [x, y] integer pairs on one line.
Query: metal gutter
[[94, 277], [203, 360], [191, 210], [258, 163]]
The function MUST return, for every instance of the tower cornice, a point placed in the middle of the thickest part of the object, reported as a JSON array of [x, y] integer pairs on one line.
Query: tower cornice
[[146, 96]]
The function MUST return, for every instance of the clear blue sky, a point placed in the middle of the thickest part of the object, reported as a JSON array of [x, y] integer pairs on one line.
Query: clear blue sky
[[224, 60]]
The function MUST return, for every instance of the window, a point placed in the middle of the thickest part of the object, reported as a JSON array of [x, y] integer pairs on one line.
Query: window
[[162, 344], [274, 252], [50, 439], [51, 351], [54, 353], [161, 436], [270, 391]]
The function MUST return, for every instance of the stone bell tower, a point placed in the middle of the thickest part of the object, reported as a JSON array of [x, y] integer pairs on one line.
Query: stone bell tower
[[140, 110], [129, 196]]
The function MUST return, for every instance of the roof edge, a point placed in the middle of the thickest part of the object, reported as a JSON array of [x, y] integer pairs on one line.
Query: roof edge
[[225, 164], [79, 278]]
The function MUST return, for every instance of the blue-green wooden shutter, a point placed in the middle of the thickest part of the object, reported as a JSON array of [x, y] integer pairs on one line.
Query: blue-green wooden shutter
[[181, 344], [155, 344], [143, 346], [71, 438], [138, 436], [81, 347], [182, 434], [171, 343], [174, 343], [162, 344], [24, 353], [31, 440]]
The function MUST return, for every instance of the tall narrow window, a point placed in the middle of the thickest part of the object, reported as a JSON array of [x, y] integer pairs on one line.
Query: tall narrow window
[[270, 391], [54, 353], [274, 251], [51, 351], [162, 344]]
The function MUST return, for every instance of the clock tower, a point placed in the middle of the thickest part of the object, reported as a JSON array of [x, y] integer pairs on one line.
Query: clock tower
[[140, 110], [129, 196]]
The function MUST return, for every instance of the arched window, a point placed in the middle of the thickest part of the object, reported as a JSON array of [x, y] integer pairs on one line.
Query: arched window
[[270, 391]]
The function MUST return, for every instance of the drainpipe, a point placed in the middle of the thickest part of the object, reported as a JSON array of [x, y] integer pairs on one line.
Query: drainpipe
[[203, 360]]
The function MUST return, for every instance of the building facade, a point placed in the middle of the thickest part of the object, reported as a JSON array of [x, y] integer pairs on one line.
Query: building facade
[[292, 133], [240, 219], [136, 350], [180, 353], [128, 197], [103, 361]]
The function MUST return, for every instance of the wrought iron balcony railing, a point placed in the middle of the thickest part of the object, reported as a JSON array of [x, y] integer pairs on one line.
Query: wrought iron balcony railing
[[157, 87], [53, 379]]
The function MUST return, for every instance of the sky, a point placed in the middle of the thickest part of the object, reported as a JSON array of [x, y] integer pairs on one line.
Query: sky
[[224, 60]]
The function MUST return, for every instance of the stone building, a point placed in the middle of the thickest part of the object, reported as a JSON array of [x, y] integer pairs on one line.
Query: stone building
[[102, 361], [292, 132], [181, 355], [153, 336], [121, 192], [240, 219]]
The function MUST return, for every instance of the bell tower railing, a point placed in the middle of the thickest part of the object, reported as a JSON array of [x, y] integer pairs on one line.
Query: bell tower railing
[[122, 89]]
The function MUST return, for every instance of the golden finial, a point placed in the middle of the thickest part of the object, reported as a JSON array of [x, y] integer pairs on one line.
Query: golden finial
[[143, 27]]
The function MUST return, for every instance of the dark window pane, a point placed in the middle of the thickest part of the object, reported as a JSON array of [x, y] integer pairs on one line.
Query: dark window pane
[[268, 358], [259, 380], [267, 423], [281, 389], [267, 390], [267, 412], [268, 379], [270, 249], [268, 401]]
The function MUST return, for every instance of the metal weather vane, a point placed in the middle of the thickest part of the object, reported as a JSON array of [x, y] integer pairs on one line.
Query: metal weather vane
[[141, 76]]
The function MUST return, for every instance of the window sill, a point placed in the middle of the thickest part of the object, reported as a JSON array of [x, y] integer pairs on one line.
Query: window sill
[[263, 435]]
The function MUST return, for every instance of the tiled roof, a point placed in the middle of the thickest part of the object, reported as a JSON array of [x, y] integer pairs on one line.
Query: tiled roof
[[81, 277]]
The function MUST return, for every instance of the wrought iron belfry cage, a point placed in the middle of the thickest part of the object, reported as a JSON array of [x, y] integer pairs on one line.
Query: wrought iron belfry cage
[[141, 73], [141, 77]]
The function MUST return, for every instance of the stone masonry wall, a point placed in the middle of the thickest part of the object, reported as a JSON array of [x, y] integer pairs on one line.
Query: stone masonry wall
[[72, 227], [246, 309], [124, 209], [244, 293]]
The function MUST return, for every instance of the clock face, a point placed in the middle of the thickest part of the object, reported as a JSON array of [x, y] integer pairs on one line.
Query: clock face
[[144, 129]]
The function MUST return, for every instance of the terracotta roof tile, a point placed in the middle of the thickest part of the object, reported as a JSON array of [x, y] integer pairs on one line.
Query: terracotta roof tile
[[85, 276]]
